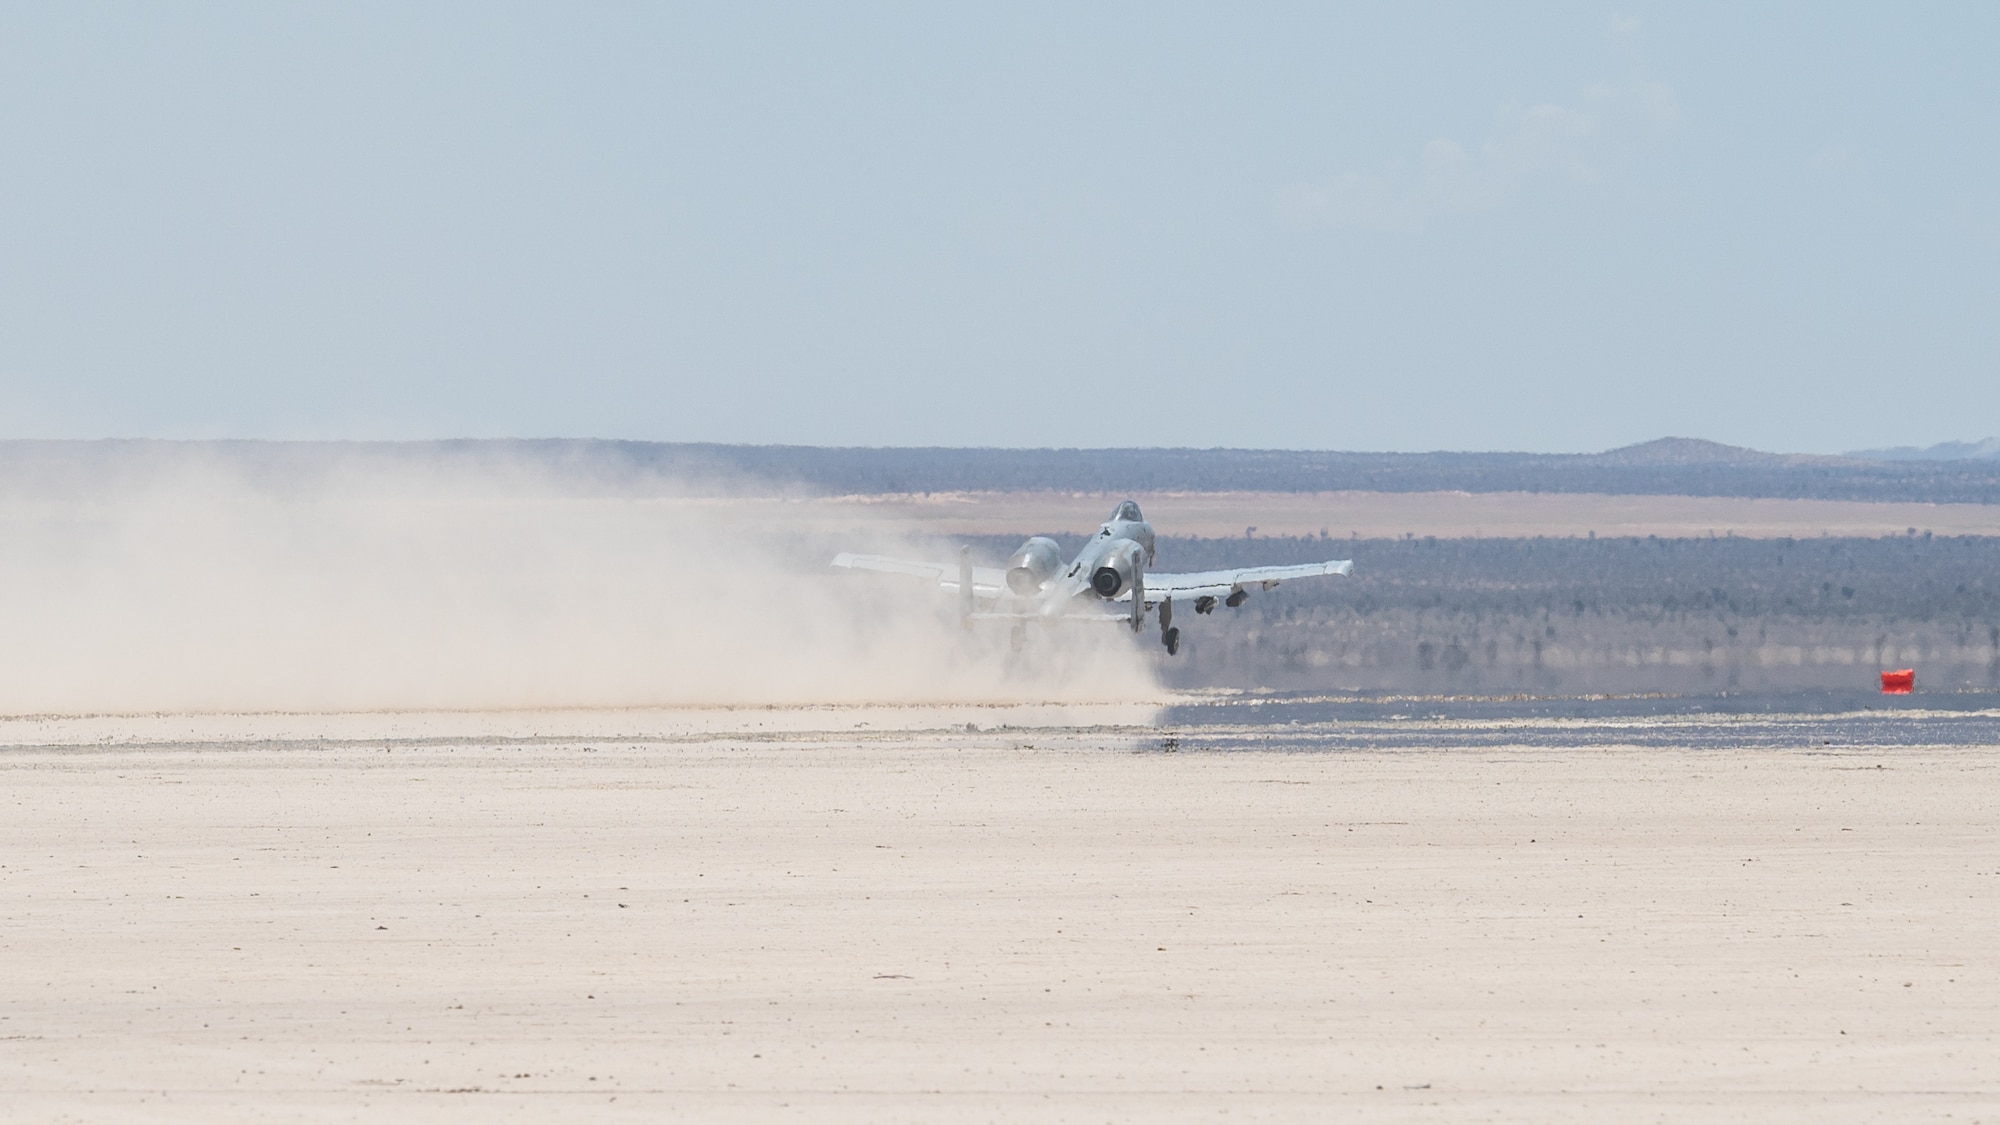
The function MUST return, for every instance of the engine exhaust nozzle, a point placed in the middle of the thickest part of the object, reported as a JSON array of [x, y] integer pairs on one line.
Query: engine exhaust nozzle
[[1107, 582]]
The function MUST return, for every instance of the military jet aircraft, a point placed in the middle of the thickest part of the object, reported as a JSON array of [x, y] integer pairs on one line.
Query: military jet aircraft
[[1036, 586]]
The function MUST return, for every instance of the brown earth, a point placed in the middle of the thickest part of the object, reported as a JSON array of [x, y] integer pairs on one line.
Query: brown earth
[[1374, 515]]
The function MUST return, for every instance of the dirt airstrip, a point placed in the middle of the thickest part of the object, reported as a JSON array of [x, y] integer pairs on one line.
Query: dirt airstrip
[[983, 914]]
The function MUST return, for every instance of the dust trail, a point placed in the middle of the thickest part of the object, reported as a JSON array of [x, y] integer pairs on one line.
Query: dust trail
[[207, 587]]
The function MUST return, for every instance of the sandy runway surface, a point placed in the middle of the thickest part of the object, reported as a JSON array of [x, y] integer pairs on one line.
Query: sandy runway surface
[[528, 921]]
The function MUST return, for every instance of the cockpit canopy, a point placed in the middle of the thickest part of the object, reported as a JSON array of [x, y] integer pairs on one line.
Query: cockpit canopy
[[1128, 510]]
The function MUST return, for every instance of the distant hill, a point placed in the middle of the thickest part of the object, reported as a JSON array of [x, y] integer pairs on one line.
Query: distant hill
[[1669, 466], [1942, 451], [1680, 451]]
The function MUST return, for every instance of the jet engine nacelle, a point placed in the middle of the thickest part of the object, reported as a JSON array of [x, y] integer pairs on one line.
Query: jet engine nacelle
[[1117, 568], [1035, 563]]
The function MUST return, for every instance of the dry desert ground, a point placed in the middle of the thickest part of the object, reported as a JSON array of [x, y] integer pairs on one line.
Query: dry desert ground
[[853, 915], [1377, 515]]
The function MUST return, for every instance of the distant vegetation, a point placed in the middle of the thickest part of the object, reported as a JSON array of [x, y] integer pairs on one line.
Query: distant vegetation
[[1666, 467], [1671, 466]]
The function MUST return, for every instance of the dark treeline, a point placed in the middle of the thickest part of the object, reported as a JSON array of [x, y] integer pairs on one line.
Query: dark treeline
[[1666, 467], [1919, 578], [1598, 615], [1659, 468]]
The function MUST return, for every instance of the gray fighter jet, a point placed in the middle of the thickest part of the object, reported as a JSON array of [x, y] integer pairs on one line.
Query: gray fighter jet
[[1036, 586]]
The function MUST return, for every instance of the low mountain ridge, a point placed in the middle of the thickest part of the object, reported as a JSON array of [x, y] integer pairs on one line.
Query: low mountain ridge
[[1986, 450], [1666, 467]]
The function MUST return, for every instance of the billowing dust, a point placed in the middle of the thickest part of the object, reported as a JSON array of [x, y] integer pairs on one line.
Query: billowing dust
[[205, 587]]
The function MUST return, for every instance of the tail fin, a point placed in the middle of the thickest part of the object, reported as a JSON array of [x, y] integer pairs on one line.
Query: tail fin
[[965, 599], [1138, 593]]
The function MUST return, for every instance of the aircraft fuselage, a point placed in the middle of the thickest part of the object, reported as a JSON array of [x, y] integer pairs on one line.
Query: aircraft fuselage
[[1110, 564]]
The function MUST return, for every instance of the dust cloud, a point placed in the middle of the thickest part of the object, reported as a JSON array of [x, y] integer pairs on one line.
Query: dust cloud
[[203, 584]]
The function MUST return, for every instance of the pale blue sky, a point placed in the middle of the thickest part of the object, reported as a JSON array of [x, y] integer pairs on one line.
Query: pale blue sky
[[1398, 226]]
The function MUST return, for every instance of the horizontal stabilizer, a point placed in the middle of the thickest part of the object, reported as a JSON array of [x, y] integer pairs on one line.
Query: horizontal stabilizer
[[987, 581], [1089, 617]]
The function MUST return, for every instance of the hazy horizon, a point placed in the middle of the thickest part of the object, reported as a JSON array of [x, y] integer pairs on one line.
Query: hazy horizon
[[1300, 226], [1981, 449]]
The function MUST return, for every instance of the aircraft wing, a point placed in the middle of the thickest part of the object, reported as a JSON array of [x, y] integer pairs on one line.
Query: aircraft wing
[[1218, 583], [987, 581]]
